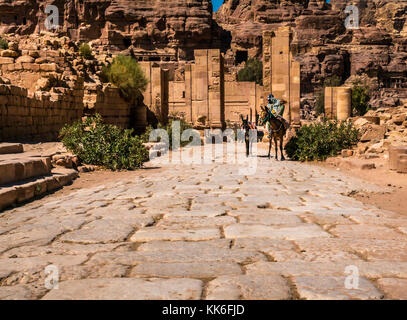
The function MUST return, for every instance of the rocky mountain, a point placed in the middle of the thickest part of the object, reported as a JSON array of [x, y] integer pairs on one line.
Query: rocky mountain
[[172, 28], [377, 50]]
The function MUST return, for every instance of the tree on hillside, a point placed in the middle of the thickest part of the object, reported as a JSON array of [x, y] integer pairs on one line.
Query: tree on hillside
[[253, 71]]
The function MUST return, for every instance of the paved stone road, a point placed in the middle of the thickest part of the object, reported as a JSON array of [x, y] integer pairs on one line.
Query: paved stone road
[[206, 232]]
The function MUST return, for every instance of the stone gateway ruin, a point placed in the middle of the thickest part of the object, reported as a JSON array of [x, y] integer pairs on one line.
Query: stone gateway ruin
[[204, 98]]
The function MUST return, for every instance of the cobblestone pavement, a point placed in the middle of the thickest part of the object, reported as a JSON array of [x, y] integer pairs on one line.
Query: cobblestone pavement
[[205, 232]]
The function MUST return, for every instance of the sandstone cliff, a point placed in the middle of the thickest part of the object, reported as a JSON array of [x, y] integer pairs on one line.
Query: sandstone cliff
[[172, 27], [322, 43]]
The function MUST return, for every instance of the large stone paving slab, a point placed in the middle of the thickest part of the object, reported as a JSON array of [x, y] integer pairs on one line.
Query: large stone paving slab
[[375, 269], [132, 258], [156, 233], [127, 289], [248, 287], [100, 231], [366, 231], [200, 270], [286, 233], [393, 288], [334, 288]]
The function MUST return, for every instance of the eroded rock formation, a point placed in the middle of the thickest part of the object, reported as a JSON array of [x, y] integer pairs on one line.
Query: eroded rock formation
[[172, 28], [321, 43]]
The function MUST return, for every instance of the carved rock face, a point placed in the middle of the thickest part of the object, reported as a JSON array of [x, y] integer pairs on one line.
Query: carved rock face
[[174, 26], [321, 42]]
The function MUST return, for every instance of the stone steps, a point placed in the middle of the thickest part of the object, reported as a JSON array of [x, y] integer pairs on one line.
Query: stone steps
[[26, 175], [26, 190], [7, 148], [14, 169]]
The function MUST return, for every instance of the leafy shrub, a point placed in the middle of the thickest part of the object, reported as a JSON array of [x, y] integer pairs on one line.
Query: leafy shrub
[[333, 81], [125, 73], [253, 71], [168, 128], [3, 44], [105, 145], [360, 100], [85, 51], [319, 141]]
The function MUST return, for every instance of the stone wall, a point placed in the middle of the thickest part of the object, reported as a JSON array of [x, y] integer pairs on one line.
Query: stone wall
[[242, 98], [40, 116], [107, 101]]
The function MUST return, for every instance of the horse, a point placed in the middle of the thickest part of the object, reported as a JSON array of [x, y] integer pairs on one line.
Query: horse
[[277, 130], [249, 140], [246, 127]]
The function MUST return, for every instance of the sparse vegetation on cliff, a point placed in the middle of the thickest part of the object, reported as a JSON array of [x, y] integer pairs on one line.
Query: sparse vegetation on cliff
[[125, 73], [253, 71], [97, 143], [360, 98], [3, 44], [85, 51]]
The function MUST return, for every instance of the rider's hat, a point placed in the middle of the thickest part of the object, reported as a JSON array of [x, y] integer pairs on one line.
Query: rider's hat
[[270, 97]]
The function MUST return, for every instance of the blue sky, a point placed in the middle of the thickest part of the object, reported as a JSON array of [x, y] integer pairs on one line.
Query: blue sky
[[216, 4]]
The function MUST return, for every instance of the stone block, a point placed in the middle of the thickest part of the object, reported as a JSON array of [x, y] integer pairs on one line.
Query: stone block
[[25, 59], [8, 196], [394, 153], [373, 132], [6, 148], [48, 67], [4, 60], [9, 53], [402, 163]]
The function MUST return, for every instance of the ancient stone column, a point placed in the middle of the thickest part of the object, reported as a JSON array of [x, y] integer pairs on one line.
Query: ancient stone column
[[216, 88], [188, 93], [295, 93], [344, 103], [200, 101], [330, 103], [281, 63], [267, 63]]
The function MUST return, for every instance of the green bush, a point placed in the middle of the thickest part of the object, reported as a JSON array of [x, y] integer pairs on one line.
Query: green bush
[[333, 81], [125, 73], [360, 100], [168, 127], [253, 71], [3, 44], [85, 51], [319, 141], [105, 145]]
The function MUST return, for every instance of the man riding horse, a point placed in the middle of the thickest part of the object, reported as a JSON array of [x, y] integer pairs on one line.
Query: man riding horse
[[277, 126], [277, 107]]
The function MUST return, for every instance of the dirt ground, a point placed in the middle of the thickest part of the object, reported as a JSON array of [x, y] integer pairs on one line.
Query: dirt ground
[[393, 201]]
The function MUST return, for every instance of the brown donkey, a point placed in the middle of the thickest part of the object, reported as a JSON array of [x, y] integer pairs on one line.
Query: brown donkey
[[276, 128]]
